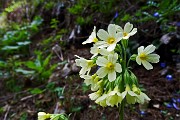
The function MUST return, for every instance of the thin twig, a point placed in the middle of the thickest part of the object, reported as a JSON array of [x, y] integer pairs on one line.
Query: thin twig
[[5, 116]]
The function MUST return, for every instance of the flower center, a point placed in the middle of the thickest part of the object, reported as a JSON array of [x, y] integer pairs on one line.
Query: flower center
[[143, 56], [125, 34], [110, 66], [111, 40], [95, 40]]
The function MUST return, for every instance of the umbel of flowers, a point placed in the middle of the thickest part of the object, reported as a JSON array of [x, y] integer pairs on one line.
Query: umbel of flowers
[[114, 83]]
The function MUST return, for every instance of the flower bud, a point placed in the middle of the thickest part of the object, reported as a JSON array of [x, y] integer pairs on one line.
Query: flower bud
[[135, 89]]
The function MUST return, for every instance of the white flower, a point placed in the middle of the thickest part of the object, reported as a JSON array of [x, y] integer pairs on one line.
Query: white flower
[[130, 95], [142, 97], [145, 57], [88, 79], [95, 50], [95, 95], [110, 38], [108, 66], [114, 97], [92, 37], [128, 30], [102, 100], [93, 81], [43, 116], [85, 64]]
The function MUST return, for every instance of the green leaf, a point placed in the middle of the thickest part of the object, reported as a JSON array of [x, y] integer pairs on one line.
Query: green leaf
[[77, 109], [10, 48], [58, 117], [3, 64], [36, 91], [30, 64], [46, 61], [25, 72], [23, 43]]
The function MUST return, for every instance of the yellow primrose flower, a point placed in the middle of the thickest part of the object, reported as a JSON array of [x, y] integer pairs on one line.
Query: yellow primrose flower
[[145, 56], [142, 97], [130, 95], [102, 100], [128, 30], [92, 37], [43, 116], [110, 38], [95, 95], [108, 66], [114, 97], [92, 80], [95, 50], [85, 64]]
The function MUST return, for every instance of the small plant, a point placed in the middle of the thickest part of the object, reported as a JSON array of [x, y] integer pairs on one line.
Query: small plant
[[16, 41], [114, 83], [44, 116], [41, 66]]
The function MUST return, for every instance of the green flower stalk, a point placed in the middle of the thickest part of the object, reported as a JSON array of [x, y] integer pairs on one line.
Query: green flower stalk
[[114, 84]]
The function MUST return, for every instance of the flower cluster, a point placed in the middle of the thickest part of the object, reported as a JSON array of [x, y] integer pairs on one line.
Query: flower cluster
[[113, 81]]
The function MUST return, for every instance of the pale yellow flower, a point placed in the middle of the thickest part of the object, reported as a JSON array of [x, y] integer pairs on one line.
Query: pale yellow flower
[[145, 56], [110, 38], [85, 64], [108, 66], [130, 95], [95, 50], [102, 100], [92, 37], [43, 116], [127, 31], [114, 97], [95, 95]]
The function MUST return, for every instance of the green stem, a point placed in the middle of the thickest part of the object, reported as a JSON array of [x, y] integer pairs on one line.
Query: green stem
[[121, 107], [121, 111]]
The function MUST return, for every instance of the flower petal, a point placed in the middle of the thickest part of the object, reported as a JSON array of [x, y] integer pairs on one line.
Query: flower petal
[[102, 34], [118, 68], [101, 61], [140, 50], [113, 57], [102, 72], [153, 58], [119, 28], [119, 36], [101, 44], [104, 52], [147, 65], [111, 30], [128, 27], [111, 75], [149, 49], [138, 60], [83, 71], [131, 93], [94, 50], [134, 31], [111, 47]]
